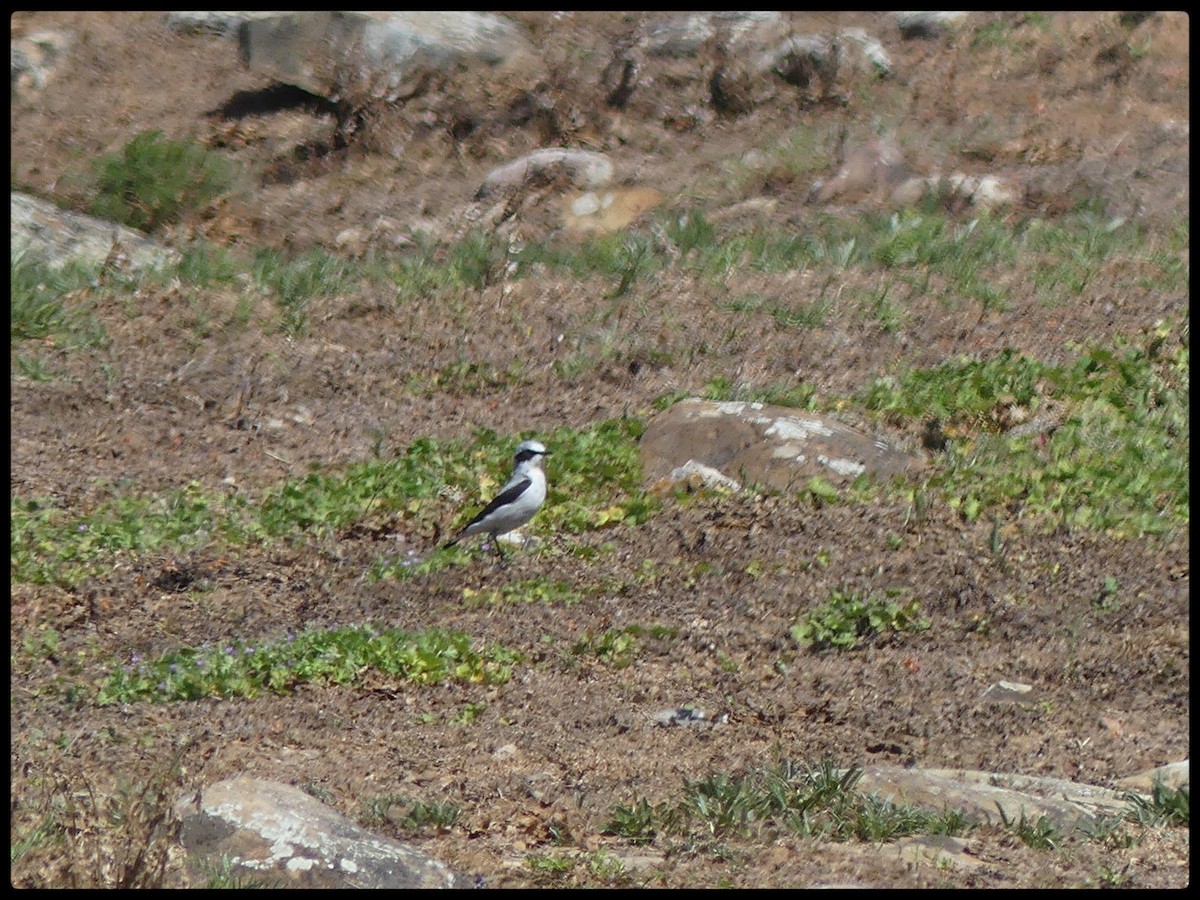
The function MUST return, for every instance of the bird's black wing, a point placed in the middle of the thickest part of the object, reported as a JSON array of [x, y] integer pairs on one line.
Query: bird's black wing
[[504, 498]]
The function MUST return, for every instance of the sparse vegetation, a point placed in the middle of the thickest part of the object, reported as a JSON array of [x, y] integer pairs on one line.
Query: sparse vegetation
[[1166, 806], [51, 305], [813, 801], [849, 618], [155, 181], [223, 467]]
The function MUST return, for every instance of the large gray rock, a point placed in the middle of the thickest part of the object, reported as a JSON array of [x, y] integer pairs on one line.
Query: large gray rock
[[582, 168], [279, 834], [59, 237], [34, 58], [1176, 775], [322, 51], [772, 445], [685, 34], [219, 22], [833, 56], [928, 23], [991, 797]]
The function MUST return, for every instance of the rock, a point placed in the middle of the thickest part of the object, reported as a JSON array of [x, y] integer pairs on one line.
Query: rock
[[222, 24], [582, 168], [685, 35], [1174, 775], [980, 191], [772, 445], [688, 715], [602, 212], [312, 49], [61, 237], [928, 23], [826, 58], [940, 850], [989, 797], [1007, 692], [697, 475], [279, 833], [34, 59], [873, 168]]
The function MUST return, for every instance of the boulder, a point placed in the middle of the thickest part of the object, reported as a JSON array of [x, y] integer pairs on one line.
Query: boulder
[[323, 51], [59, 237], [278, 834], [771, 445]]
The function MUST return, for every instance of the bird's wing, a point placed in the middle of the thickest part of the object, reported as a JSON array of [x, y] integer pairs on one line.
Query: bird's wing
[[505, 497]]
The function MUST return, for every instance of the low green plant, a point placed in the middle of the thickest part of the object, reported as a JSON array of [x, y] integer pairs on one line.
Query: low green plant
[[595, 483], [1116, 461], [224, 874], [550, 863], [617, 646], [813, 801], [46, 304], [1165, 806], [295, 280], [477, 260], [409, 815], [1040, 833], [47, 832], [720, 388], [849, 618], [339, 656], [533, 590], [155, 181], [1111, 831], [638, 822]]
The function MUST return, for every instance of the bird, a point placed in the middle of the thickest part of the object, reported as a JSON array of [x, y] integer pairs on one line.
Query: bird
[[517, 501]]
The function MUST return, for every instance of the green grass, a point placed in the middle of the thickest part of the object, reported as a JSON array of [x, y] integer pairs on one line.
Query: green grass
[[50, 304], [812, 801], [295, 280], [968, 257], [1166, 806], [48, 831], [1117, 462], [1039, 833], [799, 396], [595, 482], [338, 656], [155, 181]]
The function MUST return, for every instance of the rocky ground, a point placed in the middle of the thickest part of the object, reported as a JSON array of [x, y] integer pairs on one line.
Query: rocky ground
[[201, 385]]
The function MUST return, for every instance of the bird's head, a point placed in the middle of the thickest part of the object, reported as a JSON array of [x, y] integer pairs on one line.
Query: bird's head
[[528, 451]]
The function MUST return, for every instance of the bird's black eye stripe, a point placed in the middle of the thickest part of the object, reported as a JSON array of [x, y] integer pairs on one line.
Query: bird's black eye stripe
[[526, 455]]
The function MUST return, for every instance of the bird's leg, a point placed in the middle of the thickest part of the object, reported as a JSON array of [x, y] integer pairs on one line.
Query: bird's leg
[[499, 550]]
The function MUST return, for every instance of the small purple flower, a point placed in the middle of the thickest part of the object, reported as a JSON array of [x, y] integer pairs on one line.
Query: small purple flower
[[136, 658], [201, 663], [174, 667], [231, 650], [82, 529]]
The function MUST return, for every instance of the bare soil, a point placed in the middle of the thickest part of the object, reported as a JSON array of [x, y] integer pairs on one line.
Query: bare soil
[[1066, 107]]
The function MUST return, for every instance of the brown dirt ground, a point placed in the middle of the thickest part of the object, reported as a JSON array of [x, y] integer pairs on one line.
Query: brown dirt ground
[[167, 403]]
